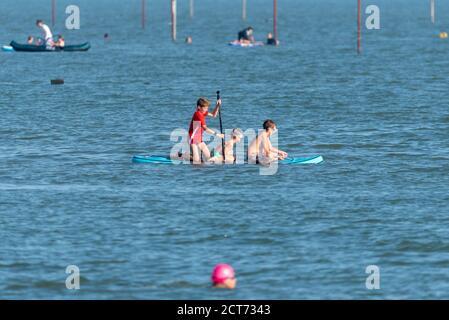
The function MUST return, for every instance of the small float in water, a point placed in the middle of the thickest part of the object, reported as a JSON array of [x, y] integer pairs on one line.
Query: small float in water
[[7, 49]]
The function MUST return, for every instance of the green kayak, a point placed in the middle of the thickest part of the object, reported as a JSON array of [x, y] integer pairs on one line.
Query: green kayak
[[43, 48]]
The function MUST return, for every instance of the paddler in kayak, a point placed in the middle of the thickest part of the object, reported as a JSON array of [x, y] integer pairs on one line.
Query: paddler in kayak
[[198, 126], [260, 150], [246, 36], [60, 43], [217, 154], [48, 36]]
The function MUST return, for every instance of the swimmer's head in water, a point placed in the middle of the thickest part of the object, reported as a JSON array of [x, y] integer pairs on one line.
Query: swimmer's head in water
[[223, 276]]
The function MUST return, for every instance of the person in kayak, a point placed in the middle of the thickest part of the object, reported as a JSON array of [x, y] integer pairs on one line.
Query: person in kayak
[[271, 41], [30, 40], [60, 42], [217, 154], [260, 150], [198, 126], [246, 36], [48, 36]]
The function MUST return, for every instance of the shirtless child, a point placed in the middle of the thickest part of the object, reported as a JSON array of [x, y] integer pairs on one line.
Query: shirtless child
[[237, 136], [260, 149]]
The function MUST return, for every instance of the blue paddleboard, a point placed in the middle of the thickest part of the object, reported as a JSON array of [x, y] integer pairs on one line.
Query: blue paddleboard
[[167, 160]]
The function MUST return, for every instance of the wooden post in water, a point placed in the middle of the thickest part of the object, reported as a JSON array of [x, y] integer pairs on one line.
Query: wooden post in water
[[275, 19], [53, 12], [432, 11], [173, 19], [191, 9], [143, 13], [359, 27], [244, 9]]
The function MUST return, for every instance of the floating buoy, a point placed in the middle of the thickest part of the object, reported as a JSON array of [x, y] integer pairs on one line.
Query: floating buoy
[[57, 81], [7, 48], [443, 35]]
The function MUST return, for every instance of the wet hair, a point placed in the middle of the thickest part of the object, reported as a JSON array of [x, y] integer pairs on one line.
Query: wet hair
[[250, 28], [202, 102], [268, 124], [237, 133]]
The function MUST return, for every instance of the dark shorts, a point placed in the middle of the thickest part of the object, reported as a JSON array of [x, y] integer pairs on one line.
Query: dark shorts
[[243, 36]]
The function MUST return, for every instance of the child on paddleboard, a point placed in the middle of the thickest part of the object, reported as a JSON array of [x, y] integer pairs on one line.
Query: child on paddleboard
[[260, 149], [217, 154], [198, 126]]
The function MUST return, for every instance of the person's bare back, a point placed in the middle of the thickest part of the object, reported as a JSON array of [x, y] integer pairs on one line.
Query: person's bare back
[[261, 150]]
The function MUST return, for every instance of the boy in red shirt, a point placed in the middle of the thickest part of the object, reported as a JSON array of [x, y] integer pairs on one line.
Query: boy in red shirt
[[198, 126]]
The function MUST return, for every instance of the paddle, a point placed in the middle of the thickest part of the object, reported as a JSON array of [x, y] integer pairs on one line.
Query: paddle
[[221, 129]]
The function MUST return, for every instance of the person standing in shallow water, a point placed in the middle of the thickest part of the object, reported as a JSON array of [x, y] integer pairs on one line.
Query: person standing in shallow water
[[271, 41]]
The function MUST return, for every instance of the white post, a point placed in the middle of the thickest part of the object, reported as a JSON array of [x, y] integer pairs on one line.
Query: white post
[[244, 9], [432, 10], [173, 19]]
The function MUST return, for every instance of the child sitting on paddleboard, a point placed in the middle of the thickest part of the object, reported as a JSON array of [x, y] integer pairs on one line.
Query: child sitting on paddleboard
[[198, 126], [217, 154], [260, 149]]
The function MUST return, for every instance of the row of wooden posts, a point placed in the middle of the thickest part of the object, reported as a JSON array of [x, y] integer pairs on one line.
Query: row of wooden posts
[[174, 14], [244, 5]]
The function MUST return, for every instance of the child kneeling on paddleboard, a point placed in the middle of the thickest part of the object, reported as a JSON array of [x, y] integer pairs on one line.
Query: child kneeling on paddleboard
[[198, 126], [260, 149], [217, 154]]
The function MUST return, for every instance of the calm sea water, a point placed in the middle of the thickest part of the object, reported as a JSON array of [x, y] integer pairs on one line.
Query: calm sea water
[[69, 194]]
